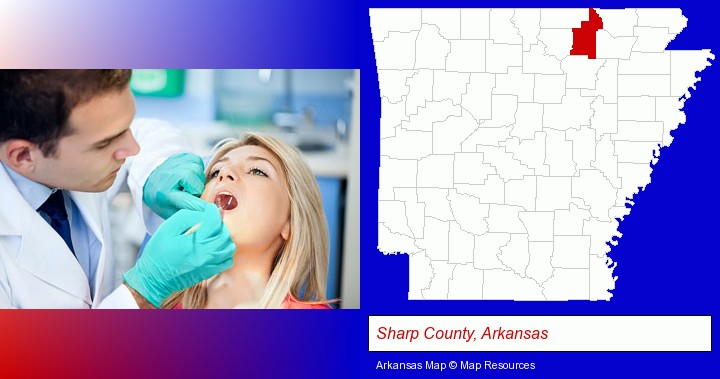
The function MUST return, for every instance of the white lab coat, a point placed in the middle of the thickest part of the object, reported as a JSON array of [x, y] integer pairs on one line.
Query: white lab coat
[[37, 270]]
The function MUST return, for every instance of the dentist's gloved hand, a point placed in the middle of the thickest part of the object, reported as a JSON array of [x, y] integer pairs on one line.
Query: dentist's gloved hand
[[175, 185], [172, 261]]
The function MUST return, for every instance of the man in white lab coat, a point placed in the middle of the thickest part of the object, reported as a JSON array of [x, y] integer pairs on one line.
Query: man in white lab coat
[[68, 143]]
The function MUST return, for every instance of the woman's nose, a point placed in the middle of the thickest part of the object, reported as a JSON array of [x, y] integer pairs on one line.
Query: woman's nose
[[225, 175]]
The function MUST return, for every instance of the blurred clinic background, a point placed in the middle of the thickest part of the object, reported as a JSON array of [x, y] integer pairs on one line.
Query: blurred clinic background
[[317, 111]]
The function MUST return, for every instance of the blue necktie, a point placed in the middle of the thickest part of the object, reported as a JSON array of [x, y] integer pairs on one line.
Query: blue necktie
[[54, 208]]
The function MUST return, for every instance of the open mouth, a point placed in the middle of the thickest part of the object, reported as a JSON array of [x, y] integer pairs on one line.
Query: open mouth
[[225, 201]]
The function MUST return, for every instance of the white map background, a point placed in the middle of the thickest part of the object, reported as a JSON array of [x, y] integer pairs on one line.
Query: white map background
[[506, 163]]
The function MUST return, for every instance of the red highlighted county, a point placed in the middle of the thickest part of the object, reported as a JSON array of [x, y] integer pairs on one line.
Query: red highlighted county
[[584, 36]]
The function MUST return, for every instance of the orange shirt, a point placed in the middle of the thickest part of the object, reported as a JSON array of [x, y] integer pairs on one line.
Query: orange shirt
[[289, 303], [293, 303]]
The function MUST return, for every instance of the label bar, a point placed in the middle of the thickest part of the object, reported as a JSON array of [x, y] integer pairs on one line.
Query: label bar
[[539, 333]]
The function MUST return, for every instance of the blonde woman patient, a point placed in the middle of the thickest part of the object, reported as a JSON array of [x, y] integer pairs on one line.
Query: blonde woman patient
[[271, 204]]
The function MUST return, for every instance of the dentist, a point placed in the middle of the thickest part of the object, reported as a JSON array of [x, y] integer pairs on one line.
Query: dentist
[[68, 144]]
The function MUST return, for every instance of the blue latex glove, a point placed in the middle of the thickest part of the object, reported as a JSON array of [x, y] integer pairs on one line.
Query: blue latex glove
[[173, 261], [175, 185]]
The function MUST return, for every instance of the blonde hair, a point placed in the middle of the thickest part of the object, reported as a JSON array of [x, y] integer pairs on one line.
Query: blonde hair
[[300, 267]]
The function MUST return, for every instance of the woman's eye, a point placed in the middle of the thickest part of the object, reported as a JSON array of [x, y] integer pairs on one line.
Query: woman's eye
[[257, 171], [213, 174]]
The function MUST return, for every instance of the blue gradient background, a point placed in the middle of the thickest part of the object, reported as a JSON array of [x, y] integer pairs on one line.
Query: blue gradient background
[[668, 257]]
